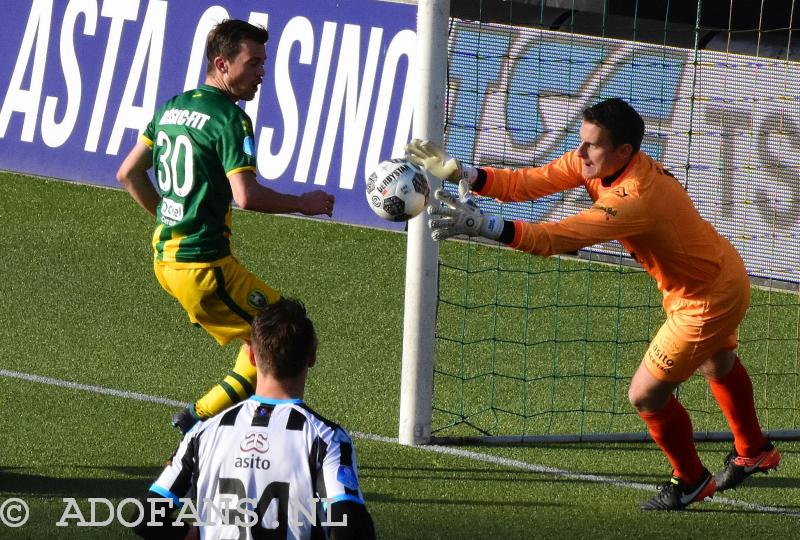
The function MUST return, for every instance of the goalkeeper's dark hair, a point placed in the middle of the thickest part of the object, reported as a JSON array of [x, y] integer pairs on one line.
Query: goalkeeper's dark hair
[[226, 37], [620, 119], [283, 339]]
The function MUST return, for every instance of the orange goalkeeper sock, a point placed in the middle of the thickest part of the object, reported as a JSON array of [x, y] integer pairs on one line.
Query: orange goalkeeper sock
[[671, 429], [734, 393]]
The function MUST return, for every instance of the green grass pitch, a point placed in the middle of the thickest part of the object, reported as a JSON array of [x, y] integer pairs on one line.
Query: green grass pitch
[[79, 303]]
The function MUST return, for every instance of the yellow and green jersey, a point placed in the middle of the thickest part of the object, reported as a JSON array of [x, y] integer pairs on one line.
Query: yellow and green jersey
[[198, 138]]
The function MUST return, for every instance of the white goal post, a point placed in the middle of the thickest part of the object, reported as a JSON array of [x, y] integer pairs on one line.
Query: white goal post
[[430, 71], [419, 318]]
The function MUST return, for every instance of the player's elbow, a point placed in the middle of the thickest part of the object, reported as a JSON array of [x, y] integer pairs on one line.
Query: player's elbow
[[123, 176], [246, 198], [245, 190], [127, 175], [244, 201]]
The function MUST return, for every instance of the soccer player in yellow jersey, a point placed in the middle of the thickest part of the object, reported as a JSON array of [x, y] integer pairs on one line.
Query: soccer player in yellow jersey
[[201, 145], [703, 280]]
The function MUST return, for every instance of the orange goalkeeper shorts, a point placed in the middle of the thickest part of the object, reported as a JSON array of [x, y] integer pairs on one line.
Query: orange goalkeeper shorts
[[697, 328], [222, 297]]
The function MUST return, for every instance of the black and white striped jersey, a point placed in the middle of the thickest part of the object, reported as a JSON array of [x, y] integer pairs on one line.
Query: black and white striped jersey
[[264, 468]]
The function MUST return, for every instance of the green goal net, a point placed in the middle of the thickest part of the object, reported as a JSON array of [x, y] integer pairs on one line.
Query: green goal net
[[530, 348]]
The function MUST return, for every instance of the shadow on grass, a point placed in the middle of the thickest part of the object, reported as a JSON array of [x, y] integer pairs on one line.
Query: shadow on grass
[[774, 480], [20, 482], [577, 446], [706, 509], [477, 474], [515, 476], [786, 447], [391, 499]]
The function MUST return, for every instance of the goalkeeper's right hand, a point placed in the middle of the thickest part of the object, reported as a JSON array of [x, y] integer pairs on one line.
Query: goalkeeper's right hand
[[431, 157], [460, 215]]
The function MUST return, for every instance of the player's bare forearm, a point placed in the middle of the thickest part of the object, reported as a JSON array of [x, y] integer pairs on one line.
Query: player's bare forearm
[[250, 195], [132, 174], [142, 191]]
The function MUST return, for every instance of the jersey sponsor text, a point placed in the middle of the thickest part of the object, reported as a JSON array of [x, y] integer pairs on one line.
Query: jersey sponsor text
[[182, 117]]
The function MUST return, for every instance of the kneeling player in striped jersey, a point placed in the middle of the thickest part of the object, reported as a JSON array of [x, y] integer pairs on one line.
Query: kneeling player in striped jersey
[[269, 465]]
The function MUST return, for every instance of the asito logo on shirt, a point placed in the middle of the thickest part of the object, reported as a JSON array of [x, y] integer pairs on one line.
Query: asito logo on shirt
[[253, 442]]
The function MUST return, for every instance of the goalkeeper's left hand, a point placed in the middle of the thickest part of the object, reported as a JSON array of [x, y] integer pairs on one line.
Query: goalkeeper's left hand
[[460, 215], [433, 158]]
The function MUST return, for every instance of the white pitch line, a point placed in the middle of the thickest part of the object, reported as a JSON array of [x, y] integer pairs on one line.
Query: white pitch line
[[508, 462], [90, 388], [458, 452]]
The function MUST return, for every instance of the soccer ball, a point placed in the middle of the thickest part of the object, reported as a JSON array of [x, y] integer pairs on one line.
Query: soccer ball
[[397, 190]]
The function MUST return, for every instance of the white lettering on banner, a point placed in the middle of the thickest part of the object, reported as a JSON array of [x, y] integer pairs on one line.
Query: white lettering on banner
[[293, 139], [403, 44], [195, 73], [54, 133], [27, 101], [151, 43], [316, 101], [118, 12], [298, 30], [345, 86], [251, 107]]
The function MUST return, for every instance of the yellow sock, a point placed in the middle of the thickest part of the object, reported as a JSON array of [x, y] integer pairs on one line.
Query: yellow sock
[[238, 384]]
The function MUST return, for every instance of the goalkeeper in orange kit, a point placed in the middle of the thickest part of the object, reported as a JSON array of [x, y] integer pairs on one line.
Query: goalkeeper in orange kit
[[705, 287]]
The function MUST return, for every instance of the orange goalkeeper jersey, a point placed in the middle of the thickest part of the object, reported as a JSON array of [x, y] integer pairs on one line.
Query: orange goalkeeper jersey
[[646, 209]]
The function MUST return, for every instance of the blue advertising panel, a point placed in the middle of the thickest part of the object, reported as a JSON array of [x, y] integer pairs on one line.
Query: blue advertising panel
[[83, 78], [724, 124]]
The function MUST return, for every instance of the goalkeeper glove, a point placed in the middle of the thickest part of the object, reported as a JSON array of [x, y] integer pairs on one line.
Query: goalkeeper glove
[[460, 215], [432, 158]]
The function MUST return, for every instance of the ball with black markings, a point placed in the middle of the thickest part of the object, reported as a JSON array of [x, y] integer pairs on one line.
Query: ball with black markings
[[397, 190]]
